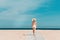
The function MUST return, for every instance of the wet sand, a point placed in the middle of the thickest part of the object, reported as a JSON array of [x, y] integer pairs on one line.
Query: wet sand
[[22, 34]]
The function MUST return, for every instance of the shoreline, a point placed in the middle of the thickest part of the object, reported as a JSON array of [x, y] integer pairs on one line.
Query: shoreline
[[29, 28]]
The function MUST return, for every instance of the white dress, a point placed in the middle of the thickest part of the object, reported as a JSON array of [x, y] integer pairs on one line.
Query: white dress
[[34, 26]]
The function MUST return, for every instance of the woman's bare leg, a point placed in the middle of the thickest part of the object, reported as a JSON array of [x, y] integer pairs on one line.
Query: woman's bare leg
[[34, 29]]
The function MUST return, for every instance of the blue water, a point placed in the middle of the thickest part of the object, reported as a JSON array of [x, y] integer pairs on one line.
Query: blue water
[[19, 13]]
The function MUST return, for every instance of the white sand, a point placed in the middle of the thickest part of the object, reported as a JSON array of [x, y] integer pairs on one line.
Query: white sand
[[30, 36], [27, 35]]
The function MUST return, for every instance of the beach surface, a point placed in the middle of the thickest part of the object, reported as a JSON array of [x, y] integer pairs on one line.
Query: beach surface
[[28, 35]]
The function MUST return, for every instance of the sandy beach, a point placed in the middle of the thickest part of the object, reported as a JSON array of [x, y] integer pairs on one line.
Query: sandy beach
[[22, 34]]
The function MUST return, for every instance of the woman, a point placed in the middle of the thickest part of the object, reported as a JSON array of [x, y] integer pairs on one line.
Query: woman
[[34, 25]]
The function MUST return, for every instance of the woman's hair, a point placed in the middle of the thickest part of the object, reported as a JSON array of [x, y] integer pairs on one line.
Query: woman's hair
[[34, 19]]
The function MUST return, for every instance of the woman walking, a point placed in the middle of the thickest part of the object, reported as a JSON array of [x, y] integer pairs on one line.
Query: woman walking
[[34, 25]]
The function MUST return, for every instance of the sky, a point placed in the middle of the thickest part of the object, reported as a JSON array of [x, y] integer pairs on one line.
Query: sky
[[19, 13]]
